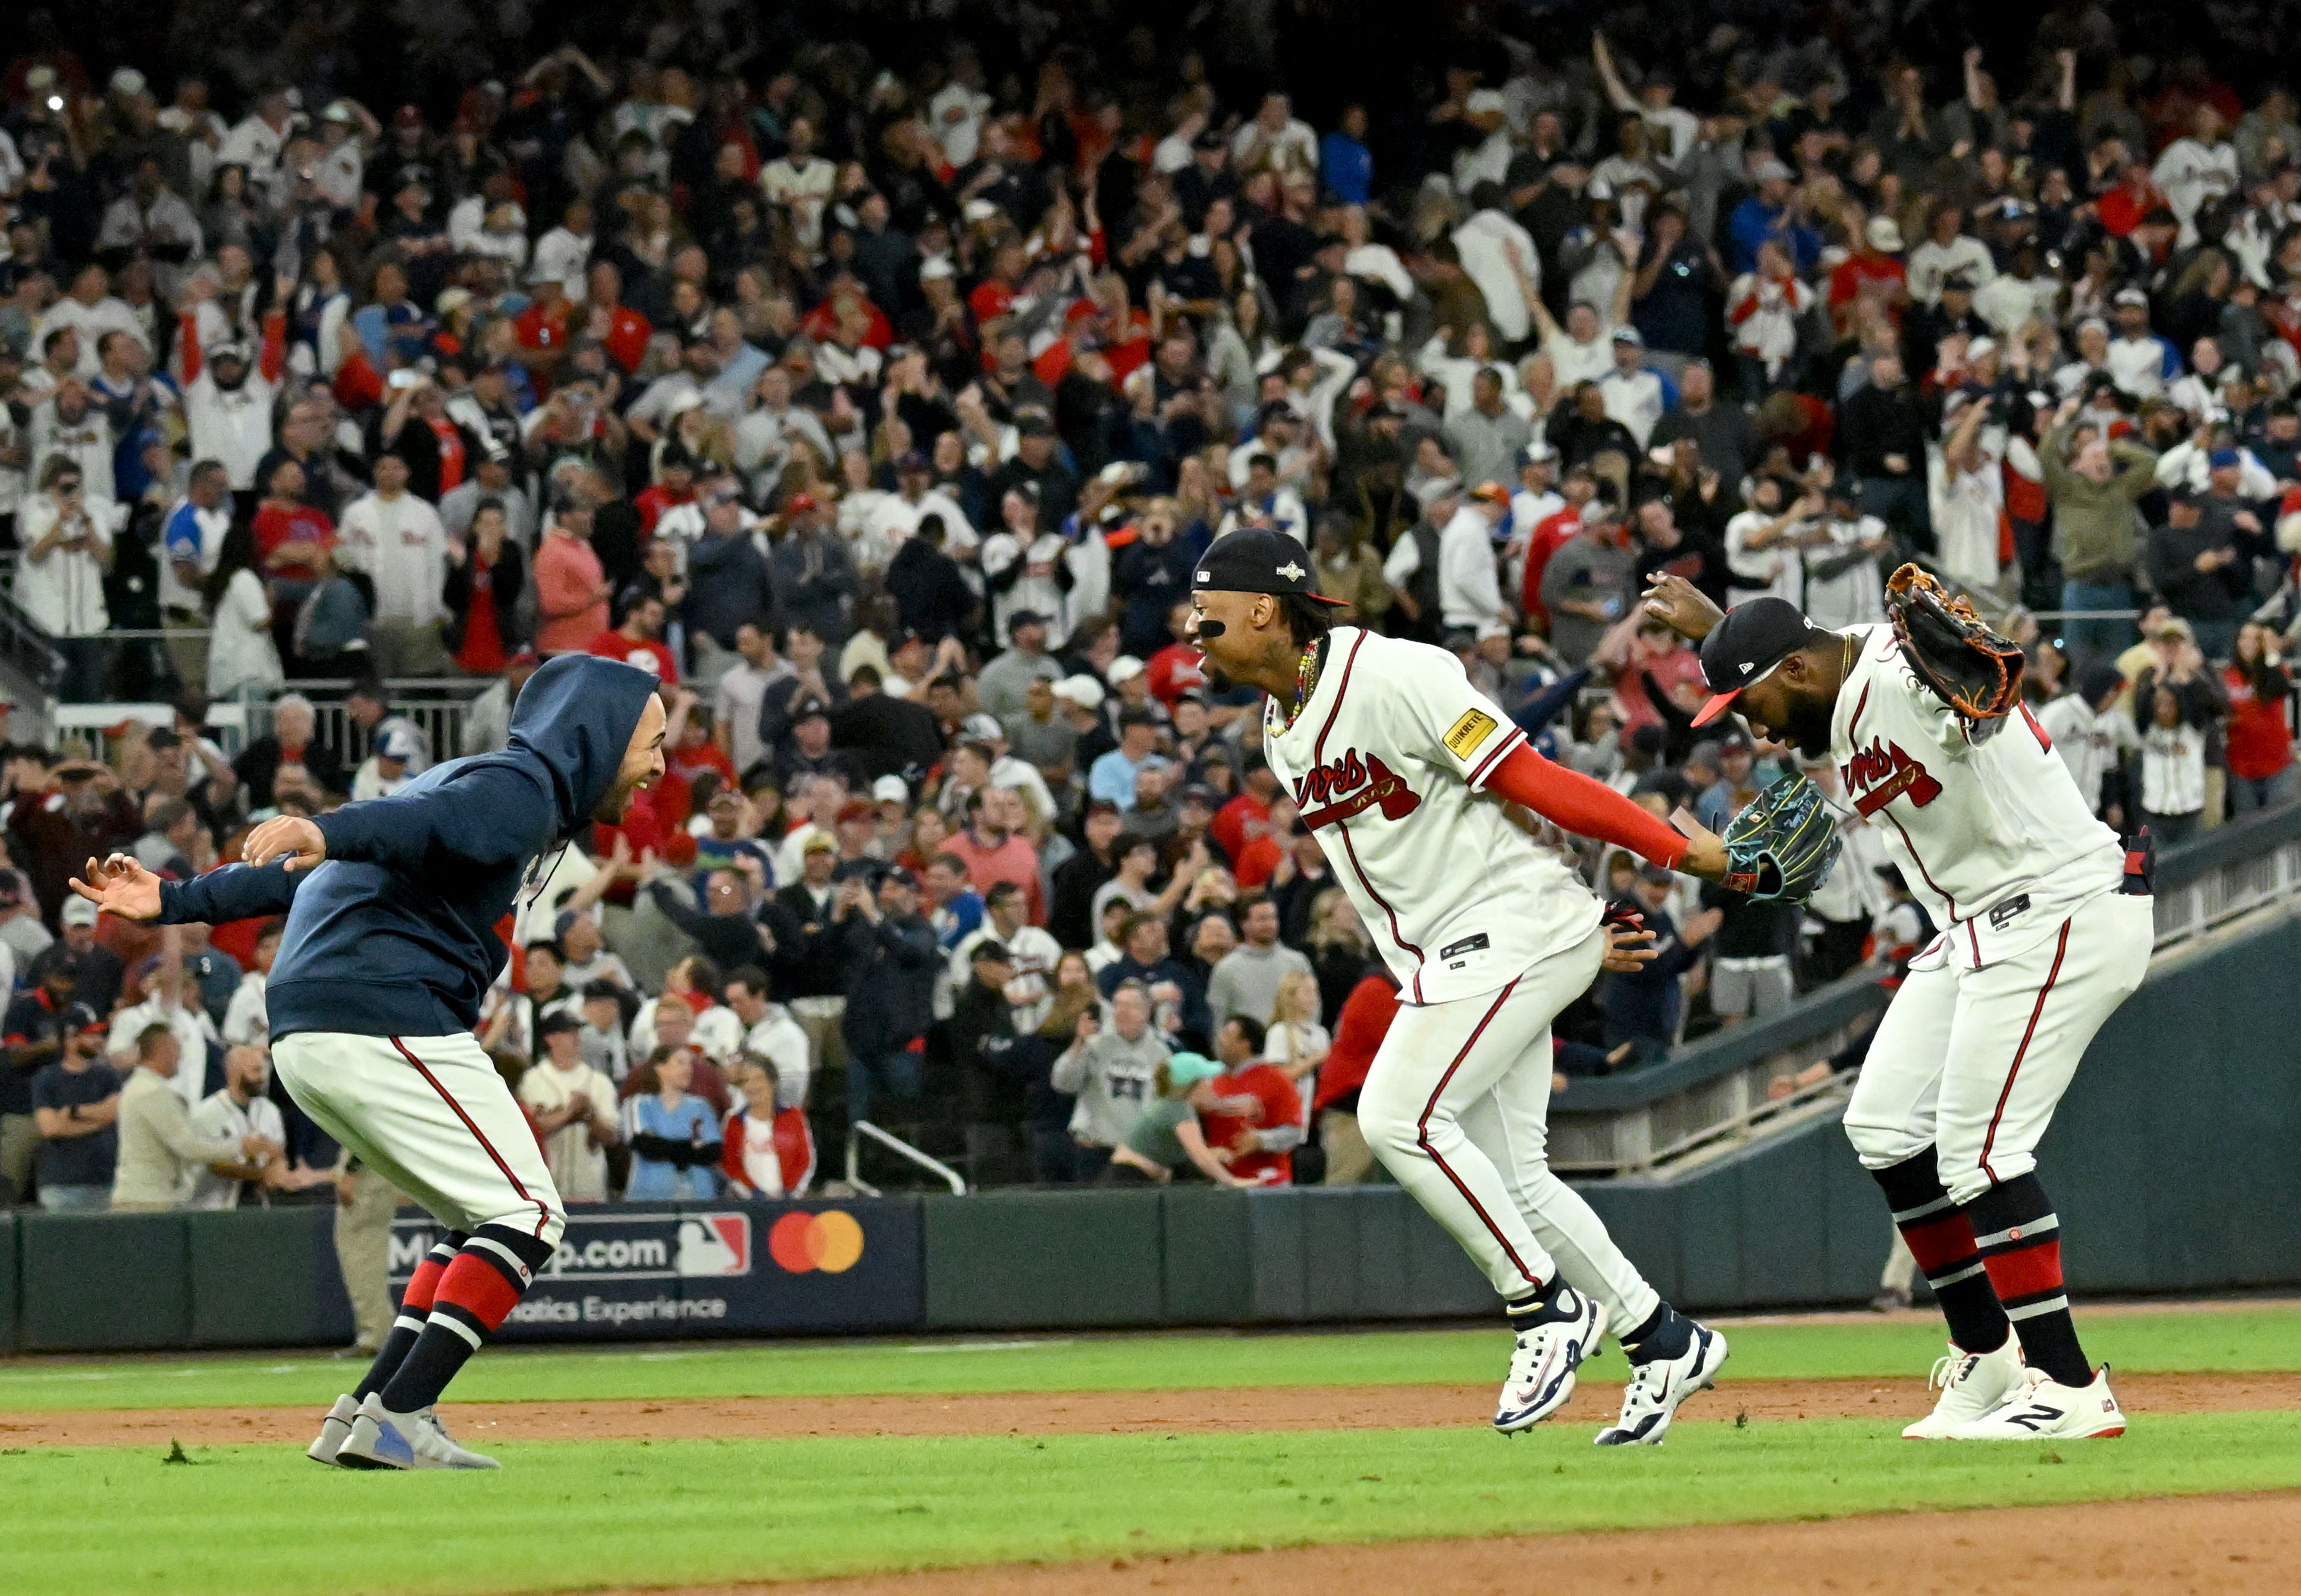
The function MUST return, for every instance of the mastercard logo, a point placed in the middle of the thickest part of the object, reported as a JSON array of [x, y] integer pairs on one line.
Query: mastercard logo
[[830, 1241]]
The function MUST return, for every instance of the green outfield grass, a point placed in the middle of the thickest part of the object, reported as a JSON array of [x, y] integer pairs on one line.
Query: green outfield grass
[[98, 1522], [2232, 1339]]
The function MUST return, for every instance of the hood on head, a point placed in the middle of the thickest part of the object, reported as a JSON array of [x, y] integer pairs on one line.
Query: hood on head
[[576, 714]]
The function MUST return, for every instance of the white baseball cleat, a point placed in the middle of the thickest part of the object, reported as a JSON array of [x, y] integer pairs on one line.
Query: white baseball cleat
[[1659, 1385], [382, 1439], [1549, 1350], [334, 1430], [1972, 1385], [2041, 1408]]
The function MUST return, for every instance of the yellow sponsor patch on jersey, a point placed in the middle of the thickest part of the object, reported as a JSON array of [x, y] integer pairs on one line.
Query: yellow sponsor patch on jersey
[[1473, 729]]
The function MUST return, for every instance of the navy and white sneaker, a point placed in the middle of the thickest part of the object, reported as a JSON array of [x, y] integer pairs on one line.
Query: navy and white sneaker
[[382, 1439], [1659, 1385], [1552, 1340]]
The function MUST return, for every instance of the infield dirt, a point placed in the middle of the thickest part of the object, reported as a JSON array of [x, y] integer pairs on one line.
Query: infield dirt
[[1890, 1402], [2166, 1546]]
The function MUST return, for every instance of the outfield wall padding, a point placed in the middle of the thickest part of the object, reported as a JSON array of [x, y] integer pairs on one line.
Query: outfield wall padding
[[1035, 1259], [8, 1294], [2174, 1164], [99, 1282], [266, 1276]]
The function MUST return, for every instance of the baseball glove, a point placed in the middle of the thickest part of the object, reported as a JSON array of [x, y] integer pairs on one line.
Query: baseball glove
[[1969, 667], [1783, 845]]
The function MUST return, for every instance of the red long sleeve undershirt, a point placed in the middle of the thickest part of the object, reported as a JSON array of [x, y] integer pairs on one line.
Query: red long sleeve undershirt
[[1585, 807]]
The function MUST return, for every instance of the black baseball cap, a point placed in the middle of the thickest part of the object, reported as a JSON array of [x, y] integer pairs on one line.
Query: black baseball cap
[[1753, 638], [1257, 560]]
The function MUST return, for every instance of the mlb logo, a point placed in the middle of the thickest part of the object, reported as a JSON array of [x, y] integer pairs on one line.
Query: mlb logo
[[713, 1244]]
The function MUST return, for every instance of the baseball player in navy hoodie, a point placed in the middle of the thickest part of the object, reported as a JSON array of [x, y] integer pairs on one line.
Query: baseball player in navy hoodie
[[390, 944]]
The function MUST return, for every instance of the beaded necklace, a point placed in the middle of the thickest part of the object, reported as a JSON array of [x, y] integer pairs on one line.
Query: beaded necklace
[[1306, 678]]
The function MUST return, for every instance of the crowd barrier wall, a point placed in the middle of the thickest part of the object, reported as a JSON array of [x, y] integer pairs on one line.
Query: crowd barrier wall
[[2175, 1164]]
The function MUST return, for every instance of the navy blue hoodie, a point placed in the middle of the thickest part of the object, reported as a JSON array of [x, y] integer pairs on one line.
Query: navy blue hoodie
[[394, 935]]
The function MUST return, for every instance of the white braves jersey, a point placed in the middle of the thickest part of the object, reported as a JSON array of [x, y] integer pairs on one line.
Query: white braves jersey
[[1992, 838], [1388, 761]]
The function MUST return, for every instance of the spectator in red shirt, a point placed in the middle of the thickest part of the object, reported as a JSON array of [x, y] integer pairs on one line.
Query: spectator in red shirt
[[1246, 816], [1552, 533], [290, 535], [1266, 845], [677, 486], [692, 751], [994, 296], [2260, 774], [1653, 650], [1874, 272], [847, 297], [571, 586], [1257, 1146], [2122, 208], [1358, 1033], [621, 330], [543, 329], [639, 640], [1178, 667], [486, 573]]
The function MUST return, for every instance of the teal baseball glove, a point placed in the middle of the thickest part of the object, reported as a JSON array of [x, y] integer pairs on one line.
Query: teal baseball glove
[[1783, 845]]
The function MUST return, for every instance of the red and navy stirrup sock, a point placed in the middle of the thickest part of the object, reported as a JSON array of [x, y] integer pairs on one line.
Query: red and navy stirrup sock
[[476, 1292], [1941, 1239], [2020, 1239], [414, 1308]]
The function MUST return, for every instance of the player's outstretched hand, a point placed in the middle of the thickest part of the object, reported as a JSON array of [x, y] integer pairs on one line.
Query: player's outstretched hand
[[122, 886], [1683, 607], [289, 837], [1705, 850], [1628, 944]]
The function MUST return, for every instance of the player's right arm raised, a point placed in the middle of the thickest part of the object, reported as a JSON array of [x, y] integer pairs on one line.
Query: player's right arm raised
[[1683, 607]]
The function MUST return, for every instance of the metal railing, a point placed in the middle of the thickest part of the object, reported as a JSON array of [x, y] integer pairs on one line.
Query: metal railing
[[24, 646], [1721, 1094], [895, 1144], [438, 704]]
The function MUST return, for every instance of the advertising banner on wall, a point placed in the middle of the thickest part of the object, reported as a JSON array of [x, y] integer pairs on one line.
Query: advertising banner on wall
[[659, 1273]]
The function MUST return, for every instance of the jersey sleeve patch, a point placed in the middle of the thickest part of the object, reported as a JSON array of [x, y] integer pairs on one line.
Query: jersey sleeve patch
[[1473, 729]]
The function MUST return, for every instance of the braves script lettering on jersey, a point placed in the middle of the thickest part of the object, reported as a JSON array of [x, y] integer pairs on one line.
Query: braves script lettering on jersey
[[1388, 761], [1992, 836]]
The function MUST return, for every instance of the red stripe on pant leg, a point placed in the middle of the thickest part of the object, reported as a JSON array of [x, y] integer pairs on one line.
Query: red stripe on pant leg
[[543, 1213], [2026, 1272], [1422, 1137], [423, 1286], [480, 1288], [2060, 948], [1940, 1244]]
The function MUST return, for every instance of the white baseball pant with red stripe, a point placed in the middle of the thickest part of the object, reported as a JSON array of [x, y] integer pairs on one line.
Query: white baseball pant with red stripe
[[430, 1113], [1457, 1106], [1974, 1062]]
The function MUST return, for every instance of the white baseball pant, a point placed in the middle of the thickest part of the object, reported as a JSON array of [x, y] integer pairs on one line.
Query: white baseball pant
[[1974, 1062], [430, 1114], [1457, 1106]]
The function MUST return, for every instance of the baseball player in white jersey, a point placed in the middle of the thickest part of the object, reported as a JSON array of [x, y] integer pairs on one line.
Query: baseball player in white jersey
[[1406, 774], [2048, 926]]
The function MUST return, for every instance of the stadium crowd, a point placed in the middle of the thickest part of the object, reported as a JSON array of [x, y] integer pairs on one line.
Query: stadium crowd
[[879, 398]]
